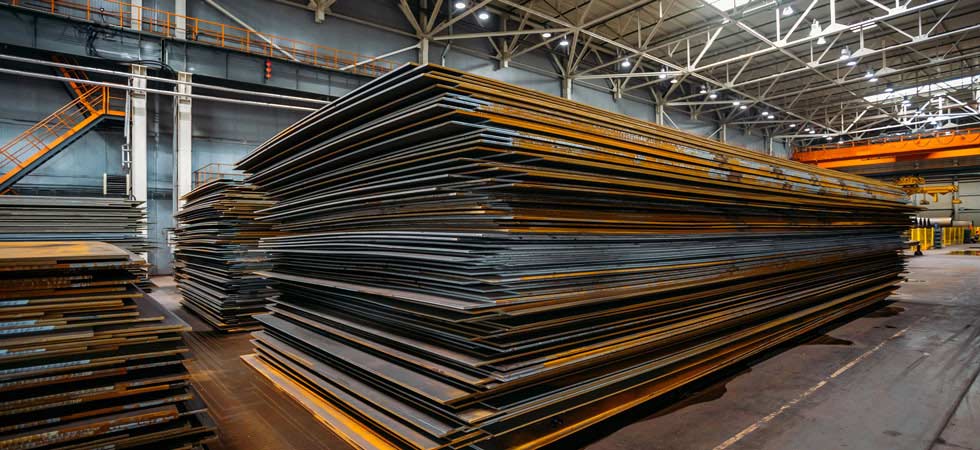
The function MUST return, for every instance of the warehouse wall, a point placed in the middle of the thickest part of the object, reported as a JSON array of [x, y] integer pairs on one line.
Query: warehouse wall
[[969, 194]]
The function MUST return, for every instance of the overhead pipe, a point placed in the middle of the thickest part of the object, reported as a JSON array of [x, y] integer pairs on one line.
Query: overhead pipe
[[154, 91], [161, 79]]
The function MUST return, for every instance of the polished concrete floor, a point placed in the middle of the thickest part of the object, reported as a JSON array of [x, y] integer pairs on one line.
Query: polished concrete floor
[[903, 376]]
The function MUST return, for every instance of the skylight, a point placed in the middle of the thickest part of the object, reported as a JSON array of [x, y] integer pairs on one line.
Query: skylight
[[728, 5], [926, 89]]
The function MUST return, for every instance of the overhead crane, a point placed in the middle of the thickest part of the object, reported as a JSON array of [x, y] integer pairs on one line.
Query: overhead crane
[[936, 145]]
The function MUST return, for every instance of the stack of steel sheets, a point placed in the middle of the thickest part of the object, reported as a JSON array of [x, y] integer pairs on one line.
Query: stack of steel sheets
[[85, 360], [216, 257], [118, 221], [470, 264]]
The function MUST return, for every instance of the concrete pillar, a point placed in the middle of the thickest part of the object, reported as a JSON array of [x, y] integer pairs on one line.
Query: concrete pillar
[[180, 20], [566, 87], [137, 133], [504, 60], [183, 170], [136, 14], [723, 132], [424, 51]]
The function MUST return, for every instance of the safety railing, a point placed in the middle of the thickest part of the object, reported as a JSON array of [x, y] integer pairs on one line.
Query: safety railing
[[167, 24], [214, 172], [44, 136], [951, 134]]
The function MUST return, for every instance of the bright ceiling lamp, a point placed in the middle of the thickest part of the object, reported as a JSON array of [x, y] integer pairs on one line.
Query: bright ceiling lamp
[[788, 11], [845, 53], [926, 89], [546, 35], [713, 95], [563, 42], [459, 5], [625, 63], [483, 15]]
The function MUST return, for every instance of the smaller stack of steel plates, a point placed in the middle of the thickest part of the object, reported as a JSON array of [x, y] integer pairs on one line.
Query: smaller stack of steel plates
[[215, 257], [118, 221], [85, 360]]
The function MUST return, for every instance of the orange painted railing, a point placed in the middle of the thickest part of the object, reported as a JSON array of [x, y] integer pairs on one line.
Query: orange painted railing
[[947, 134], [89, 106], [938, 144], [164, 23], [214, 172]]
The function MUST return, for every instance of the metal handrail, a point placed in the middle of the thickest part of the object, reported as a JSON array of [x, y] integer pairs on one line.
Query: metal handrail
[[214, 172], [164, 23], [53, 129]]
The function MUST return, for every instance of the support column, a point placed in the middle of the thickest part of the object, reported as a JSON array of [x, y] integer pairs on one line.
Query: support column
[[424, 50], [180, 19], [137, 133], [183, 170], [566, 88], [723, 134], [660, 114], [136, 14]]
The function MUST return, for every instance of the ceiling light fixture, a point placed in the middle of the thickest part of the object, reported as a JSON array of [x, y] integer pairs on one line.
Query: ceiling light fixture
[[845, 53], [792, 125], [460, 5], [713, 95], [821, 40], [889, 89], [563, 42], [704, 89], [788, 11], [873, 79], [743, 107], [673, 81], [736, 103], [625, 63], [546, 35], [483, 15]]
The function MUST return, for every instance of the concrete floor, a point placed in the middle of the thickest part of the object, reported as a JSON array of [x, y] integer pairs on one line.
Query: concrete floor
[[903, 376]]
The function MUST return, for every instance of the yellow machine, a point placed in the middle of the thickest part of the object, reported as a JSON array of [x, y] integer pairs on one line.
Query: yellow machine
[[914, 185]]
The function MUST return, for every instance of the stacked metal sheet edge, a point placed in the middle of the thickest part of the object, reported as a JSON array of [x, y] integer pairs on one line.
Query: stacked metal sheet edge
[[215, 257], [470, 264], [118, 221], [86, 362]]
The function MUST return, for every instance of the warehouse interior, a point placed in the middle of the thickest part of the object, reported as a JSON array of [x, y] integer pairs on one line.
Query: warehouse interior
[[489, 224]]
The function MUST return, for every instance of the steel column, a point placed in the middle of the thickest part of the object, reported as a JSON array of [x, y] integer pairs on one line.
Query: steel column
[[182, 140]]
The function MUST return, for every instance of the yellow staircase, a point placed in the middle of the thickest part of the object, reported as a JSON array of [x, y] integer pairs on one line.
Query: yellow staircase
[[45, 139]]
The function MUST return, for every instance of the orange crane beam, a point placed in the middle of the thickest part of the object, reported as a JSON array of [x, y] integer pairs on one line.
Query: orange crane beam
[[958, 144]]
